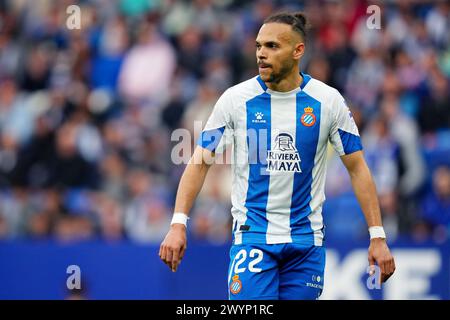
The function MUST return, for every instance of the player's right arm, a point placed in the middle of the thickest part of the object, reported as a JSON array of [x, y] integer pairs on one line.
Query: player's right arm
[[216, 135], [174, 245]]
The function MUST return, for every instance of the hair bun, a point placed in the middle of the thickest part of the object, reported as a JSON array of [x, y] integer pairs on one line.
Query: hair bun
[[297, 20], [301, 17]]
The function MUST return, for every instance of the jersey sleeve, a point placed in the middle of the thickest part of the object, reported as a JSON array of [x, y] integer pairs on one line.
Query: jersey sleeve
[[344, 134], [217, 134]]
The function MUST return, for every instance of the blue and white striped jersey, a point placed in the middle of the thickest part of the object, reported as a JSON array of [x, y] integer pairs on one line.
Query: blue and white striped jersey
[[279, 144]]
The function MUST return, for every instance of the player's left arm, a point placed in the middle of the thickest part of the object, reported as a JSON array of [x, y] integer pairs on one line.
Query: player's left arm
[[365, 191]]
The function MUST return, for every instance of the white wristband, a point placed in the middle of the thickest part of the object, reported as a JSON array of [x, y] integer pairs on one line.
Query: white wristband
[[377, 232], [179, 217]]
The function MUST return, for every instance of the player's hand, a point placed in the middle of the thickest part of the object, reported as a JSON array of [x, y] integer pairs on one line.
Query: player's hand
[[379, 253], [173, 247]]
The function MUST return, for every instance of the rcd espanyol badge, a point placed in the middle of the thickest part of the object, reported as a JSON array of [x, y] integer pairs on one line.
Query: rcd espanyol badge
[[236, 285], [308, 118]]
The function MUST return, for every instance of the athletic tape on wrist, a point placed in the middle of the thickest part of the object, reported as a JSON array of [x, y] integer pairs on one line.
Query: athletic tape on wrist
[[377, 232], [179, 217]]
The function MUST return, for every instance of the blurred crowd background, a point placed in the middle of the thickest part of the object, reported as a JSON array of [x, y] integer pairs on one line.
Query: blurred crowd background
[[86, 116]]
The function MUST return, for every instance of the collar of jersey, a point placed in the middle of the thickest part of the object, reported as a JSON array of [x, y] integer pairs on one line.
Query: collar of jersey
[[306, 78]]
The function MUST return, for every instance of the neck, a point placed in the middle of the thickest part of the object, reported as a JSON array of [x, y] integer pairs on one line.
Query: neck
[[292, 81]]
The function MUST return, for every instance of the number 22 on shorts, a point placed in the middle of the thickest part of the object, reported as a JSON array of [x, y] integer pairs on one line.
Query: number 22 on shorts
[[255, 254]]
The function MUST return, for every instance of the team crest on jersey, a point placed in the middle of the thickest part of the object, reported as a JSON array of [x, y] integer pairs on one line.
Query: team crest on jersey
[[236, 285], [308, 118], [284, 156]]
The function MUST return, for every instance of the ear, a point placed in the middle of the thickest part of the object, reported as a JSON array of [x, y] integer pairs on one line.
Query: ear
[[299, 50]]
